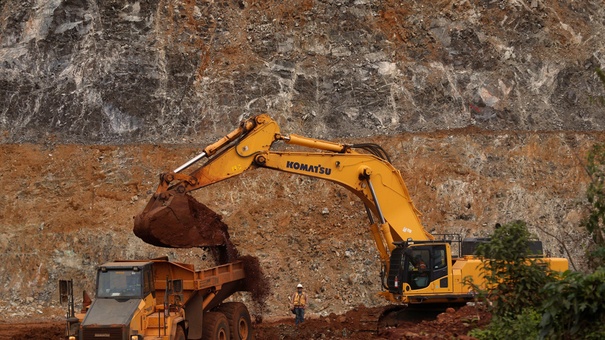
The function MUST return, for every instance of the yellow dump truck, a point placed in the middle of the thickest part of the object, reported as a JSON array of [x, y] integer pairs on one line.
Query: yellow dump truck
[[159, 299]]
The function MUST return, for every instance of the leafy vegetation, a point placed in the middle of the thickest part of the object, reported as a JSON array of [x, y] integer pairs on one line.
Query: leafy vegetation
[[595, 222], [522, 326], [514, 278], [575, 307]]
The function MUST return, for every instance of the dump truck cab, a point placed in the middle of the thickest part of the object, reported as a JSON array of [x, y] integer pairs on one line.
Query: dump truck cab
[[124, 290], [125, 280]]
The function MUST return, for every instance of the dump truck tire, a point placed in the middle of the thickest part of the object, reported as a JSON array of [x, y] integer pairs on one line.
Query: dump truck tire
[[215, 326], [238, 316], [179, 334]]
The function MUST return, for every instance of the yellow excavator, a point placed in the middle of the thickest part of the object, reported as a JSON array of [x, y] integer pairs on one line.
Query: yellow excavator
[[417, 267]]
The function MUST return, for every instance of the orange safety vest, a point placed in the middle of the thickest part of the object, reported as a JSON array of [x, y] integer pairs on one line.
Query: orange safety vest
[[299, 300]]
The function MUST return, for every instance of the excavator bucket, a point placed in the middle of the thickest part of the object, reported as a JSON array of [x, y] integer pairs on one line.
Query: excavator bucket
[[180, 221]]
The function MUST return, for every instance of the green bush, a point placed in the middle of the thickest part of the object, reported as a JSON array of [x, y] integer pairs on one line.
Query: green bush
[[514, 279], [522, 326], [575, 307], [526, 301], [595, 194]]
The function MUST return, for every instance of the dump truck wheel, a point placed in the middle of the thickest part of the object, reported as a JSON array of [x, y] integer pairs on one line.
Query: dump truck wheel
[[215, 326], [239, 320], [180, 333]]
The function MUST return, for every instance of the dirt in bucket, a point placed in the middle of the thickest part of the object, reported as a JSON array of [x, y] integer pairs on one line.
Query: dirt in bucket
[[184, 222]]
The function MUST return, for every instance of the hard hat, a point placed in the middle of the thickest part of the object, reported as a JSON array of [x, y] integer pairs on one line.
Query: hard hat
[[299, 285]]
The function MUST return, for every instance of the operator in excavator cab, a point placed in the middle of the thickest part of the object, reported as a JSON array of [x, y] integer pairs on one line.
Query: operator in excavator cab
[[419, 263], [420, 272]]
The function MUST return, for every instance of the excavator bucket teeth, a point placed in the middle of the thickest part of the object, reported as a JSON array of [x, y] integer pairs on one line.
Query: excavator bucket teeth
[[180, 221]]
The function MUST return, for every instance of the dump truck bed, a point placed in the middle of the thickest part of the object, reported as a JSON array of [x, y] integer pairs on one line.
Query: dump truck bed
[[213, 284]]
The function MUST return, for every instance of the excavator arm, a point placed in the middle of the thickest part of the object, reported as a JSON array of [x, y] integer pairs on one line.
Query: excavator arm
[[370, 176]]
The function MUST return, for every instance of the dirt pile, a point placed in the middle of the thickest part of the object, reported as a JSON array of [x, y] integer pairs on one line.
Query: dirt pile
[[37, 331]]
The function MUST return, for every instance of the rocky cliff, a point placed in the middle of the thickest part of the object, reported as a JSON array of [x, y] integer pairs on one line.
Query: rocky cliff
[[487, 108], [167, 71]]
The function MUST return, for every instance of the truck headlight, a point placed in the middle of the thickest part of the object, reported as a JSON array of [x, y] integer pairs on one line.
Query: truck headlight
[[136, 337], [71, 337]]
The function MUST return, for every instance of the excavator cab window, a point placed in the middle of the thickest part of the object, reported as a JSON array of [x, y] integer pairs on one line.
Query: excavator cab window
[[439, 257], [439, 265], [418, 268], [418, 265], [425, 264]]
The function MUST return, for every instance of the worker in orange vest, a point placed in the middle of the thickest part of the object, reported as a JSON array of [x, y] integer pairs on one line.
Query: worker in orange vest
[[298, 302]]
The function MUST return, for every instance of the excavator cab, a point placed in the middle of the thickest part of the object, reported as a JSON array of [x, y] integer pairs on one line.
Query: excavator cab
[[415, 266]]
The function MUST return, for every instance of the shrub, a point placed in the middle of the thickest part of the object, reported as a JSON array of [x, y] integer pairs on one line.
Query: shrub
[[513, 277], [522, 326], [575, 307], [595, 193]]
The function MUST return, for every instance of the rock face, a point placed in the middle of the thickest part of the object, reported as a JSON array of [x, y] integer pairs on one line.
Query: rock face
[[163, 71], [487, 108]]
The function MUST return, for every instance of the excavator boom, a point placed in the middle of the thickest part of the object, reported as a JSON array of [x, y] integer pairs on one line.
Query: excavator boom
[[172, 218]]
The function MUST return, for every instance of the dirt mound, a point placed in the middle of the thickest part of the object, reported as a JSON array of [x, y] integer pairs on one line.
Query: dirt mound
[[452, 324], [33, 331]]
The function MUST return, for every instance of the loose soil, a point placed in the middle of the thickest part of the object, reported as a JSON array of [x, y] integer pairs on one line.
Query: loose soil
[[180, 221], [360, 323]]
